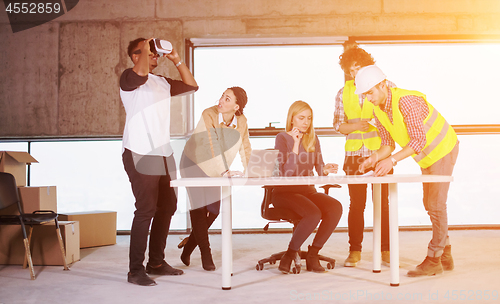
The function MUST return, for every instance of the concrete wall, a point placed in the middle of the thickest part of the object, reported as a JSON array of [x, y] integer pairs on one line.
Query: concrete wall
[[61, 78]]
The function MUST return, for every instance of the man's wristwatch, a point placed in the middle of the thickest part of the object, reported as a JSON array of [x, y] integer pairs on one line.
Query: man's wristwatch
[[394, 161]]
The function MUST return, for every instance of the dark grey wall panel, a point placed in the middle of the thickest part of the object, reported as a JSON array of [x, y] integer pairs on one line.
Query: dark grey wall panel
[[28, 81]]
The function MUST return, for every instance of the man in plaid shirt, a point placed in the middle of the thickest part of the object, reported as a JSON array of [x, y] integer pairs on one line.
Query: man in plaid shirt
[[405, 117]]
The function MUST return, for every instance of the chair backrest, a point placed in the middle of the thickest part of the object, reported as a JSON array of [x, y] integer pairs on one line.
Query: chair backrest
[[8, 190], [273, 213]]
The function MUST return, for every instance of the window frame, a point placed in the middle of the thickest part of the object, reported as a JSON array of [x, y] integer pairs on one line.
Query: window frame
[[461, 129]]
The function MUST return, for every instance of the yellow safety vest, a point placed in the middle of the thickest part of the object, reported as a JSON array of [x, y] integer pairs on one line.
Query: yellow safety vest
[[355, 140], [440, 136]]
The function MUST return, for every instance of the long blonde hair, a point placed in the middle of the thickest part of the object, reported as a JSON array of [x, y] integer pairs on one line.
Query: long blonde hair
[[309, 138]]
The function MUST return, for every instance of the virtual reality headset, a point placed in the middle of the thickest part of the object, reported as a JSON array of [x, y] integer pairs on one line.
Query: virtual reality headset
[[160, 47]]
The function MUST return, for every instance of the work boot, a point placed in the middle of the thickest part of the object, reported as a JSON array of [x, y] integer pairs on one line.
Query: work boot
[[430, 266], [353, 259], [312, 260], [386, 258], [447, 259], [286, 261]]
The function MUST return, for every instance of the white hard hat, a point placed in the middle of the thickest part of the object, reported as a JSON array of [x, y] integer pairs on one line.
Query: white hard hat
[[368, 77]]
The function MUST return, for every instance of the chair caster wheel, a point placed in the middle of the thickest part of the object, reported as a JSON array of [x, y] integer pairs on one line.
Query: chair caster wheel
[[330, 266], [259, 266], [296, 270]]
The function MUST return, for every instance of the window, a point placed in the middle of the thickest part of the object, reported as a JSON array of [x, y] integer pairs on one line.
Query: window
[[89, 175], [459, 79], [273, 77]]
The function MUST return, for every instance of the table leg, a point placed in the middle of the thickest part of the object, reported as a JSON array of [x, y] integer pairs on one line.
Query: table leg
[[394, 233], [226, 233], [377, 234]]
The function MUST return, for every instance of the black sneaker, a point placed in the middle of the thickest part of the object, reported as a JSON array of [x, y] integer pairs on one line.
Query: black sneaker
[[140, 278], [164, 269]]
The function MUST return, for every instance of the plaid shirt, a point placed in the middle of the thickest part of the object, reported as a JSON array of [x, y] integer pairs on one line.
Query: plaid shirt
[[339, 118], [414, 110]]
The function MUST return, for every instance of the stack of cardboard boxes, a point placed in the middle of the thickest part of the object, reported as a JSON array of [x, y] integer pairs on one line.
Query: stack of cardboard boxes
[[78, 230]]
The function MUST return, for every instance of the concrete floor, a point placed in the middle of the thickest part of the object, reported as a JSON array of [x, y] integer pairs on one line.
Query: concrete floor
[[100, 275]]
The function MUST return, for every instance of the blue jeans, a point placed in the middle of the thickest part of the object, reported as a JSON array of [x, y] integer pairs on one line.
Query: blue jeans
[[435, 197]]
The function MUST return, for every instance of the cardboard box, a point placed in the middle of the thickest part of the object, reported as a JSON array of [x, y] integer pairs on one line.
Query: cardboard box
[[38, 198], [97, 228], [45, 248], [15, 164]]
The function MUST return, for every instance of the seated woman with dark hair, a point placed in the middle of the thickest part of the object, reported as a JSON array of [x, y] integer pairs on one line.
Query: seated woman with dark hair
[[300, 152], [221, 133]]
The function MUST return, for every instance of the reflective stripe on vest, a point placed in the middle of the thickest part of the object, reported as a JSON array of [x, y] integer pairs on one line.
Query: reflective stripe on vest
[[440, 136], [354, 112]]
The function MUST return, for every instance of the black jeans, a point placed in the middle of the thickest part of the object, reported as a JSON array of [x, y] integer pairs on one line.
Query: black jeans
[[357, 194], [313, 207], [156, 201]]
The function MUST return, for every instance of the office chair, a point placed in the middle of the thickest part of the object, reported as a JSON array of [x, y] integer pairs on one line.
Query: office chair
[[279, 215], [9, 197]]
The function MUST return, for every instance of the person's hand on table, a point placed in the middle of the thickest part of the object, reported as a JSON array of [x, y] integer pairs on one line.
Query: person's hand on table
[[233, 174], [383, 167], [330, 168], [367, 164]]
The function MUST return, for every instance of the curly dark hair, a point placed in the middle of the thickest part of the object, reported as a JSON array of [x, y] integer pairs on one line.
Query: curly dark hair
[[357, 55]]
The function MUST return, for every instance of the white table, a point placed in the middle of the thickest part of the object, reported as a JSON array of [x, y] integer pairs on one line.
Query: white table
[[226, 185]]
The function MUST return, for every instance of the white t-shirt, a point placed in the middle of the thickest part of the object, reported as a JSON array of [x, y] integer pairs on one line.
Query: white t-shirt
[[147, 105]]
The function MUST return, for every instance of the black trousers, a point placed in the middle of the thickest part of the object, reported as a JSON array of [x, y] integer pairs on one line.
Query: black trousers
[[156, 201], [314, 208], [357, 194]]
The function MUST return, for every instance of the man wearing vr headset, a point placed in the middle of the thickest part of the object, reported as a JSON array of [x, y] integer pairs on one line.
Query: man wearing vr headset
[[148, 156]]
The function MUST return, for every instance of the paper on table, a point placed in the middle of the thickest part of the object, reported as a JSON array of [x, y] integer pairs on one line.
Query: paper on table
[[369, 173]]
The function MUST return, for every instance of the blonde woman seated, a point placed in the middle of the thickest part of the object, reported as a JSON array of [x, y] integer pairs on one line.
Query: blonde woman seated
[[221, 133], [300, 153]]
